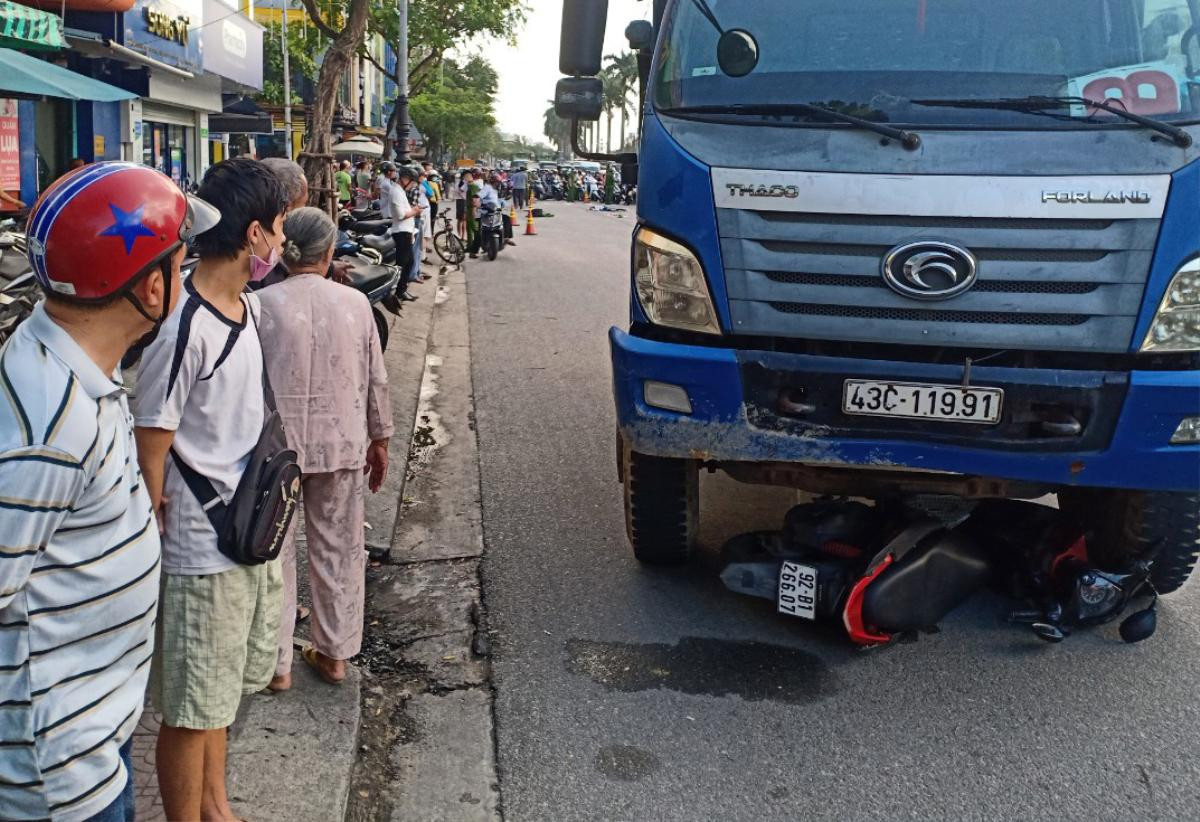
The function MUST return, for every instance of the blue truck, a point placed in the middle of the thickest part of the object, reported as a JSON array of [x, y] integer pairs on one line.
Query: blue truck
[[935, 247]]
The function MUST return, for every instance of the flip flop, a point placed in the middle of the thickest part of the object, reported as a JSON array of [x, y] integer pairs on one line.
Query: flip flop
[[302, 613], [309, 655]]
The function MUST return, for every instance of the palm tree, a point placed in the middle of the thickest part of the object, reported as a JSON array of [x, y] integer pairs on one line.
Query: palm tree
[[614, 96], [557, 130], [623, 66]]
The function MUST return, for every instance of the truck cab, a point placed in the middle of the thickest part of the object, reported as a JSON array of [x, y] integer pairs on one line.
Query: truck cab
[[945, 247]]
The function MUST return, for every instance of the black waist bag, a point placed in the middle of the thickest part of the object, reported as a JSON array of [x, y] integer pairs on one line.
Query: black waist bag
[[252, 525]]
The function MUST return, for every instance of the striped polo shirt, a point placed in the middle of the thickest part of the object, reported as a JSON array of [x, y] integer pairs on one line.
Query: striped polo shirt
[[79, 565]]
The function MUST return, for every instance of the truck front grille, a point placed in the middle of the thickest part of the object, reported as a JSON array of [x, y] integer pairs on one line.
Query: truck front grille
[[929, 315], [1066, 285], [1000, 286]]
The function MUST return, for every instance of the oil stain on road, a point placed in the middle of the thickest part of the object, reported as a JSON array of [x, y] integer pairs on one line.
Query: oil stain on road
[[703, 666]]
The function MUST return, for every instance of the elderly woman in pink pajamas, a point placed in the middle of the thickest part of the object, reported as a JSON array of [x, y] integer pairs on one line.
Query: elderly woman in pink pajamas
[[326, 367]]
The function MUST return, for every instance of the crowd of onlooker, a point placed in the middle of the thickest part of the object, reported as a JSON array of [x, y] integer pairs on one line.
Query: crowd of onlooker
[[123, 569]]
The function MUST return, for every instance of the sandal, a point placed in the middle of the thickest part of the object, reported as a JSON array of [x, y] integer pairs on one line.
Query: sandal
[[309, 655], [302, 613]]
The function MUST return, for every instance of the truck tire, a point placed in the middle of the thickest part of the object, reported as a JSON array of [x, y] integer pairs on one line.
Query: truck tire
[[1132, 524], [662, 507]]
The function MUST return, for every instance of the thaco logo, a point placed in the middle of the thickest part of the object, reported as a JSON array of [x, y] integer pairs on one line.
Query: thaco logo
[[929, 270]]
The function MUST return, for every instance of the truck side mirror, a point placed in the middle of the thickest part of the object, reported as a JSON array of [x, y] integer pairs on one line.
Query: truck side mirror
[[640, 34], [581, 44], [579, 98]]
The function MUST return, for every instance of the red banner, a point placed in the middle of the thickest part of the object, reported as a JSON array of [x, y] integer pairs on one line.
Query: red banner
[[10, 152]]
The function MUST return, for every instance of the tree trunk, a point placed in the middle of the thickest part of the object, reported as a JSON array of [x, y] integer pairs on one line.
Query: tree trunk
[[316, 159], [391, 127], [608, 133], [624, 109]]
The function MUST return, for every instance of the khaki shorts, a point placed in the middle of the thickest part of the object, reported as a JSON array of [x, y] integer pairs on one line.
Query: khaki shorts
[[215, 641]]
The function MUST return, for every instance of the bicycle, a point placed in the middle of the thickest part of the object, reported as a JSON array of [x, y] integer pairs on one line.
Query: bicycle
[[448, 245]]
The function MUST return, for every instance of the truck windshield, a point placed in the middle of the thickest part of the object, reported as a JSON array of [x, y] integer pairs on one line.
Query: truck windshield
[[888, 60]]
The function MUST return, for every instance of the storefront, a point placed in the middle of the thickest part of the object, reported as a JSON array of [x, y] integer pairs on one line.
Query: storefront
[[167, 136], [169, 128], [233, 51]]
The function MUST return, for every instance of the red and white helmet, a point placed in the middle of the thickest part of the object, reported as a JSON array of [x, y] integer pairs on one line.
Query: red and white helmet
[[96, 230]]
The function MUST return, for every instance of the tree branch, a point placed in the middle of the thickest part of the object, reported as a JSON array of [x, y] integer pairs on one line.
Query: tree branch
[[370, 58], [314, 14], [416, 80]]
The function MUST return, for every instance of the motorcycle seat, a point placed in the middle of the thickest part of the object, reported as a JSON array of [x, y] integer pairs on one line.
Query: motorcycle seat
[[380, 242], [371, 226], [365, 213], [367, 278]]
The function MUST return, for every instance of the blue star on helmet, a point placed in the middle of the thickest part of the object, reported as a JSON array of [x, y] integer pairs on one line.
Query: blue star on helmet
[[128, 226]]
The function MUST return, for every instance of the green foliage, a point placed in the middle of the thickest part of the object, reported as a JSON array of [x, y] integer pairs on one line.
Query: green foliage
[[454, 111], [303, 59], [557, 130], [438, 26]]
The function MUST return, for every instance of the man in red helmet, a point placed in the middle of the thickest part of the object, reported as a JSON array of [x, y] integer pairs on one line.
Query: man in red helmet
[[79, 564]]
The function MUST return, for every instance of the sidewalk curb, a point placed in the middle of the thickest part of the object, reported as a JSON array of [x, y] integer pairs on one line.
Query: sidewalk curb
[[429, 751]]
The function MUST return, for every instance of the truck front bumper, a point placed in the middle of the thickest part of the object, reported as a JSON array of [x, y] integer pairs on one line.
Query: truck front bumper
[[1125, 445]]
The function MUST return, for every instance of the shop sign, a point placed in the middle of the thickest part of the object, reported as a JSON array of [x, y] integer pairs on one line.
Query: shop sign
[[167, 30], [233, 45], [167, 27], [10, 149]]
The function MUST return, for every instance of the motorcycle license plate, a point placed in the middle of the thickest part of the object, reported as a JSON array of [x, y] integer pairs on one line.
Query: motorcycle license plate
[[915, 400], [797, 590]]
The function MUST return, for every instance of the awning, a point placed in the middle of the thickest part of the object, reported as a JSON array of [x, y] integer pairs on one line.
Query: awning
[[240, 116], [359, 144], [25, 28], [99, 46], [28, 76]]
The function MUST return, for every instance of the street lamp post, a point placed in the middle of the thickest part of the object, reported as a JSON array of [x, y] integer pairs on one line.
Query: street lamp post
[[402, 78], [287, 85]]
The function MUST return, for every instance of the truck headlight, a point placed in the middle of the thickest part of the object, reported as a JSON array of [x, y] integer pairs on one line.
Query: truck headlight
[[670, 284], [1176, 326]]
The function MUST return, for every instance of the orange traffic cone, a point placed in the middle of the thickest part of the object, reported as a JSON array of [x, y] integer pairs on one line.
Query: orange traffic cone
[[512, 212], [529, 229], [531, 199]]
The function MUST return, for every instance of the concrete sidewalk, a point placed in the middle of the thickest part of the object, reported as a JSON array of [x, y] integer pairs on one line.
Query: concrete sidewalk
[[291, 755]]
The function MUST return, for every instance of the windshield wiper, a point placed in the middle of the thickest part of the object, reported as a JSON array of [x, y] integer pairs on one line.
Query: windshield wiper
[[909, 139], [707, 11], [1040, 103]]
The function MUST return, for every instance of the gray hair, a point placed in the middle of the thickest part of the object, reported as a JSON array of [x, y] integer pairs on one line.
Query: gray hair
[[289, 174], [310, 234]]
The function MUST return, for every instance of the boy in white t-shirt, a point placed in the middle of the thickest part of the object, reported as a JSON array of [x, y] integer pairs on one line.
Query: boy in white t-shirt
[[200, 401]]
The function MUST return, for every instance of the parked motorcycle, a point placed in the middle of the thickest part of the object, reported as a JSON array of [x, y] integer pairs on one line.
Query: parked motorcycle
[[378, 282], [20, 291], [365, 236], [491, 230]]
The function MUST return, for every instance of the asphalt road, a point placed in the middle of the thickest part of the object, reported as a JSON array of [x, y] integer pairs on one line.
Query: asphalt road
[[624, 693]]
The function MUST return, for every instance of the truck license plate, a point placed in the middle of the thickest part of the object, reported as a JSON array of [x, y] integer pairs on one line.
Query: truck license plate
[[915, 400], [798, 590]]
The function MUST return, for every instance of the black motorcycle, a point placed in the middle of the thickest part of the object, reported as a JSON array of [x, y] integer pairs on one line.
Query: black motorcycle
[[491, 230], [370, 236], [378, 282]]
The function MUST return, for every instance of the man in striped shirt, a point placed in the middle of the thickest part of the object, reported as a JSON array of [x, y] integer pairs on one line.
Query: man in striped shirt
[[79, 545]]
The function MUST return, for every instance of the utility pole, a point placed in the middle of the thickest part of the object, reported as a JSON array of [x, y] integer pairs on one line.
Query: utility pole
[[287, 85], [402, 77]]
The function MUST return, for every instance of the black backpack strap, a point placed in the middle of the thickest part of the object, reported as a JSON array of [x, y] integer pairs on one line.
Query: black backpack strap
[[210, 501]]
